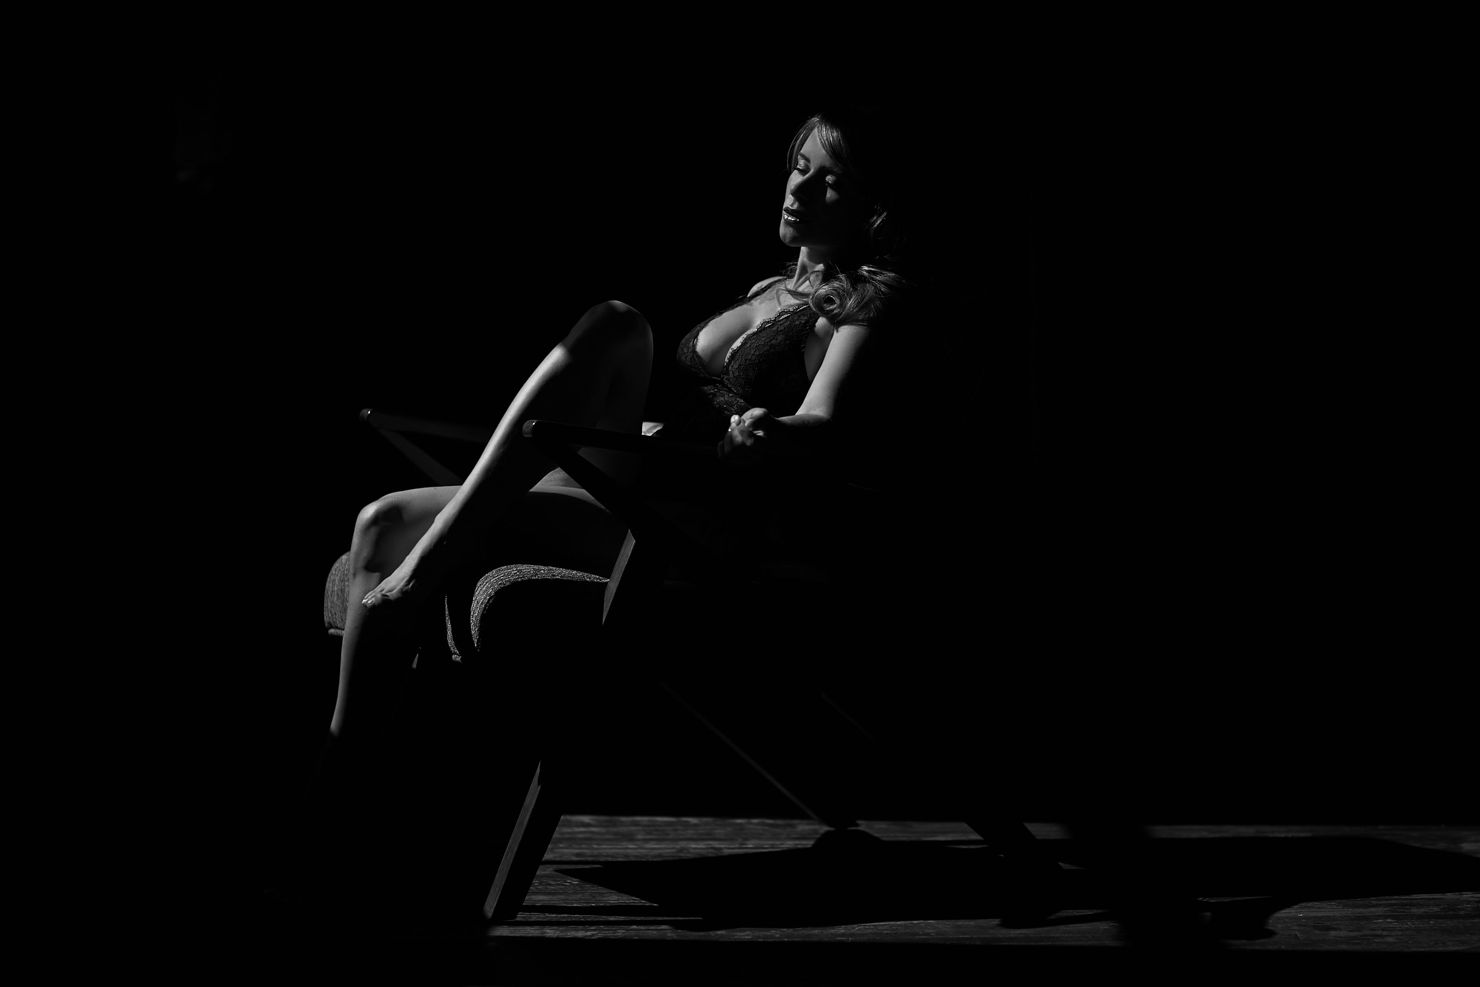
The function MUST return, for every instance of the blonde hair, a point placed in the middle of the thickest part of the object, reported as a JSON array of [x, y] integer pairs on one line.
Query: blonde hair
[[856, 292]]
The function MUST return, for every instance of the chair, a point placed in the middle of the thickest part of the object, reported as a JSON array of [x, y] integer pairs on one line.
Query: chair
[[662, 577]]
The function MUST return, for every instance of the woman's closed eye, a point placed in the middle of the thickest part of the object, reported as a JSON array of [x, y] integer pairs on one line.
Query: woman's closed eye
[[830, 179]]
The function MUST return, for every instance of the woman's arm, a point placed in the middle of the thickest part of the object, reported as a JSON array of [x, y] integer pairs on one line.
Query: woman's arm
[[829, 388], [809, 431]]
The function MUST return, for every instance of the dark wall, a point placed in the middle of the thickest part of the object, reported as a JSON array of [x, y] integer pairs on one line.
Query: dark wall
[[1242, 392], [1179, 374]]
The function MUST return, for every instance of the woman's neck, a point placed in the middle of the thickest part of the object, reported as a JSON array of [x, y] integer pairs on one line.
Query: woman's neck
[[812, 269]]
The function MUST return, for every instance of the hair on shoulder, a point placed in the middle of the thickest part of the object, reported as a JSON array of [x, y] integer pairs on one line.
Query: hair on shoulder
[[866, 142]]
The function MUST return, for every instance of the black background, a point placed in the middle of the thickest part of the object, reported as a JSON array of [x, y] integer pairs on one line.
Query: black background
[[1188, 363]]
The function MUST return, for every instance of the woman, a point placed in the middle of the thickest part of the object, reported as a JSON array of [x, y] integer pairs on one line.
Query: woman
[[747, 388], [783, 369]]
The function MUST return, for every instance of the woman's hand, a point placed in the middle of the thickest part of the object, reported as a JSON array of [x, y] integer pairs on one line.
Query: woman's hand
[[403, 584], [746, 437], [416, 576]]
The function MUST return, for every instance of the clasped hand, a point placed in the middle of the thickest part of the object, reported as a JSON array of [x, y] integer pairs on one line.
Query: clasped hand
[[745, 438]]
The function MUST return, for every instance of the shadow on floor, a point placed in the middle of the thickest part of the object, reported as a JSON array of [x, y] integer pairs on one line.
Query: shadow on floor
[[899, 881], [868, 881]]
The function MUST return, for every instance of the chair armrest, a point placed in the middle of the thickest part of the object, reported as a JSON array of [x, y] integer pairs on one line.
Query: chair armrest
[[544, 431], [600, 438], [553, 436], [407, 424], [395, 428]]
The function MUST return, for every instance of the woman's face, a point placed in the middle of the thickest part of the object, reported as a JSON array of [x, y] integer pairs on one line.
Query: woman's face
[[824, 209]]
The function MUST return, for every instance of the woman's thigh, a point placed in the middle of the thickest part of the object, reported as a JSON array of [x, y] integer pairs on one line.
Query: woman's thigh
[[558, 524]]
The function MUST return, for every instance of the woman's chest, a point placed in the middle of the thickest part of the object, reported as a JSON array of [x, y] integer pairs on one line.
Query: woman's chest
[[724, 334]]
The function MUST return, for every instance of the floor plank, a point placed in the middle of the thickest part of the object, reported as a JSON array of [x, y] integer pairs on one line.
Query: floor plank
[[1385, 888], [752, 901]]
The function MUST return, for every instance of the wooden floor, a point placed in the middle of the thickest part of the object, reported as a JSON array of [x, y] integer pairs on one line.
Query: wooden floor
[[710, 901]]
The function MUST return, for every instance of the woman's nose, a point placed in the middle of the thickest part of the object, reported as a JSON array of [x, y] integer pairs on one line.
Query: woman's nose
[[804, 187]]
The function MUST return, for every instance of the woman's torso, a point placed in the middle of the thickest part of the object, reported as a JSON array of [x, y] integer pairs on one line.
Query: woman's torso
[[720, 338], [761, 352]]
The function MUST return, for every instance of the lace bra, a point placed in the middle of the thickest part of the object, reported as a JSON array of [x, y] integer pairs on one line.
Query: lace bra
[[765, 368]]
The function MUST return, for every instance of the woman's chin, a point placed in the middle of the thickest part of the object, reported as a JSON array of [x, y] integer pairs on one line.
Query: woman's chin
[[795, 238]]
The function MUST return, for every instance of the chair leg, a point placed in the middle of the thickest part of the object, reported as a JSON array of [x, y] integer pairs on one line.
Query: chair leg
[[798, 751], [526, 848]]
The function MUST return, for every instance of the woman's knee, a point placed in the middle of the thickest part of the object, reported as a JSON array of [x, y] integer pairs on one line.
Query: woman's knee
[[384, 512], [385, 528], [376, 521], [612, 324]]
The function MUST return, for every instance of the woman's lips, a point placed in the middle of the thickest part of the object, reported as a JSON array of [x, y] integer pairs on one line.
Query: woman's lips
[[792, 216]]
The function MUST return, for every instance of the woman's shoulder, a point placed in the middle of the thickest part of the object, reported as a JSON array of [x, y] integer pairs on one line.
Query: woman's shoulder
[[763, 284]]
